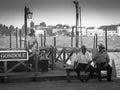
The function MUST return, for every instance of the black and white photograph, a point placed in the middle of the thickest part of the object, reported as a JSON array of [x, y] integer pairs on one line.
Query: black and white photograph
[[59, 44]]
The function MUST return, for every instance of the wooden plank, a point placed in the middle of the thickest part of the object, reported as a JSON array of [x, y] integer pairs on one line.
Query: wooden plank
[[59, 55], [68, 57]]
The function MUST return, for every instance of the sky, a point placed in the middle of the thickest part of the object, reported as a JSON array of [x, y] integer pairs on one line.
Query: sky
[[94, 12]]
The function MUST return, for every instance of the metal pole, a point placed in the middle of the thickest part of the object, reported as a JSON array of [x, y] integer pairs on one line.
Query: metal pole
[[77, 16], [80, 26], [25, 18]]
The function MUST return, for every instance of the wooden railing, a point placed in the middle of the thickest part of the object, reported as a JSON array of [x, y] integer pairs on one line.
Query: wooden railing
[[52, 54]]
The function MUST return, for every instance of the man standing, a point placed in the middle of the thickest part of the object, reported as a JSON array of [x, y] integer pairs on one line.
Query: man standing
[[32, 46], [32, 43], [102, 62]]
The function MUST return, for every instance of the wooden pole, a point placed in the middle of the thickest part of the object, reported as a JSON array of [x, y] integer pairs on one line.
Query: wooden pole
[[54, 41], [72, 36], [10, 39], [25, 20], [44, 38], [53, 56], [20, 38], [16, 38], [106, 39], [41, 40], [64, 56], [96, 40], [5, 71], [77, 16], [81, 26], [94, 46]]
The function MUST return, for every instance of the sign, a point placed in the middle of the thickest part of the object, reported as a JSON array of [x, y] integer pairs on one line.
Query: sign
[[13, 55]]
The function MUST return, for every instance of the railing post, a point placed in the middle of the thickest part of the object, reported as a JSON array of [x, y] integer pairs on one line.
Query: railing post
[[53, 56], [54, 41], [5, 71], [114, 73], [64, 56], [36, 57]]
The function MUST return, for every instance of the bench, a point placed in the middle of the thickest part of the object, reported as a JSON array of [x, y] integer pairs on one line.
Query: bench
[[68, 70]]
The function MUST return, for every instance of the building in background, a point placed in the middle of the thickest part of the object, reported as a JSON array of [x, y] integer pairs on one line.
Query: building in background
[[90, 31], [59, 29], [112, 30]]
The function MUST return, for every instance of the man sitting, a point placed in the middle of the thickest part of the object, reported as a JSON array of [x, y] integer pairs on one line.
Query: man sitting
[[102, 62], [84, 59]]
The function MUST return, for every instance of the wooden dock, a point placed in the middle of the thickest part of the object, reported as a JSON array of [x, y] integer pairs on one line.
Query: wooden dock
[[41, 76]]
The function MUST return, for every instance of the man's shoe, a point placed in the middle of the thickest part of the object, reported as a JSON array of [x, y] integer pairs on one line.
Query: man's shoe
[[82, 80], [99, 80], [86, 79]]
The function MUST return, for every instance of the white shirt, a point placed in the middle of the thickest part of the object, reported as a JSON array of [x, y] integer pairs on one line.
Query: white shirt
[[84, 58], [31, 40], [73, 58]]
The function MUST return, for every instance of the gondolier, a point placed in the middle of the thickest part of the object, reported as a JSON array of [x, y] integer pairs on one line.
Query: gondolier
[[32, 43], [32, 47]]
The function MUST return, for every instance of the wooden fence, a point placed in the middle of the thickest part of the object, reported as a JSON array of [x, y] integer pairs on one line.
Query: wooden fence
[[52, 54]]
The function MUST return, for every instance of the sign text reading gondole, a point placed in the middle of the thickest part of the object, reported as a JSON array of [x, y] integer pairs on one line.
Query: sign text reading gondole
[[13, 55]]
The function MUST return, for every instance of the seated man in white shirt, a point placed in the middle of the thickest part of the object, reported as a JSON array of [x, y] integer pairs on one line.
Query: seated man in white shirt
[[84, 59]]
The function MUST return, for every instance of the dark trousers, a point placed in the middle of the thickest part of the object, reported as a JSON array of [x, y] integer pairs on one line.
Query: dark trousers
[[102, 66], [85, 68], [31, 61]]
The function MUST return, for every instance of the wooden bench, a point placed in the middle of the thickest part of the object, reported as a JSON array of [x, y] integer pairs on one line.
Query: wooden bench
[[68, 70]]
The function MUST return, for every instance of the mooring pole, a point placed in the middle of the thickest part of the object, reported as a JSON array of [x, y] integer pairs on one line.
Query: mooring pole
[[96, 41], [25, 21], [81, 26], [72, 36], [44, 38], [106, 39], [94, 46], [77, 16], [16, 38], [41, 40], [54, 41], [10, 39], [20, 38]]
